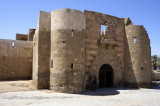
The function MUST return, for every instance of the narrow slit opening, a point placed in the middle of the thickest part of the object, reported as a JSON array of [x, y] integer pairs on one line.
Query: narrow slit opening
[[13, 44], [71, 65], [72, 32], [51, 63]]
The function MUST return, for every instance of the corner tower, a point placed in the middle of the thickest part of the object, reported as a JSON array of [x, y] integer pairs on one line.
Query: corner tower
[[137, 56], [67, 51]]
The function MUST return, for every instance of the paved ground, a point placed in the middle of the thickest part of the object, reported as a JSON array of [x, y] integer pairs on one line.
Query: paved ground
[[100, 97]]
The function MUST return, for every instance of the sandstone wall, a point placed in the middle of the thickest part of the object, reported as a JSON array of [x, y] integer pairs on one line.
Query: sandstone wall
[[67, 51], [41, 51], [26, 37], [35, 58], [100, 51], [69, 47], [156, 76], [31, 34], [15, 60], [137, 57], [23, 37]]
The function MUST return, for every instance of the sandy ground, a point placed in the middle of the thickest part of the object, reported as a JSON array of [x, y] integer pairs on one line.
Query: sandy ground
[[13, 86]]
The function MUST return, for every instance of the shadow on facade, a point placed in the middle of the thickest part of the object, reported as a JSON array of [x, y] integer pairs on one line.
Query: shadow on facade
[[129, 75]]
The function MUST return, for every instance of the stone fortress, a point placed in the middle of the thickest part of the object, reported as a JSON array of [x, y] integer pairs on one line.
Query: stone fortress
[[70, 46]]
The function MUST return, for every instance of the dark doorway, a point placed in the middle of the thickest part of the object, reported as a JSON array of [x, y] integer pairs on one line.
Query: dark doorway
[[105, 76]]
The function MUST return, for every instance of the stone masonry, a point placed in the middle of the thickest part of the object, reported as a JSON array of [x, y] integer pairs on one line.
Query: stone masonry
[[71, 46], [15, 60]]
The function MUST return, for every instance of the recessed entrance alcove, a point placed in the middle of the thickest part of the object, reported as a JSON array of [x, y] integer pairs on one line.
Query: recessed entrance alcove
[[106, 76]]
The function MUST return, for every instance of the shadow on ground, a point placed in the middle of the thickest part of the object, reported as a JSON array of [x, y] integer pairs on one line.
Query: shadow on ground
[[111, 91], [156, 87], [101, 92], [105, 91]]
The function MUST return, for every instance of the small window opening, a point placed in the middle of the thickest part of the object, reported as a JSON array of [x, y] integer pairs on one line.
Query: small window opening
[[141, 68], [72, 32], [63, 43], [105, 23], [134, 40], [114, 24], [103, 29], [71, 65], [13, 44], [51, 63]]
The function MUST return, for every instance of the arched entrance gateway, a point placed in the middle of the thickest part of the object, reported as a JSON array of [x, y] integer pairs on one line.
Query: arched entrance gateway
[[105, 76]]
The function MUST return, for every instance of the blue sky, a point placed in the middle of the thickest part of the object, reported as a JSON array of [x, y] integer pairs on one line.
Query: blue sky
[[17, 16]]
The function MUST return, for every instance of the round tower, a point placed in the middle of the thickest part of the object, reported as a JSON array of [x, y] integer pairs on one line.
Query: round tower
[[139, 73], [67, 51]]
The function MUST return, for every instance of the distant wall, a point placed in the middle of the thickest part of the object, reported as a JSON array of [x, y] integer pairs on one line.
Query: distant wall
[[156, 76], [15, 60], [26, 37], [23, 37], [31, 34]]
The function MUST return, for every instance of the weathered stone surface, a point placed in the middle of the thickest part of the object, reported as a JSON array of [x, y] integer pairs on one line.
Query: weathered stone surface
[[15, 59], [31, 34], [156, 75], [79, 48], [138, 57], [70, 47], [26, 37], [23, 37], [67, 51], [41, 51]]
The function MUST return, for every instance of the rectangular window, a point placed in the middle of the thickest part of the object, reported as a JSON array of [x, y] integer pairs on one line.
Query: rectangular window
[[103, 29], [134, 40], [71, 65], [12, 43]]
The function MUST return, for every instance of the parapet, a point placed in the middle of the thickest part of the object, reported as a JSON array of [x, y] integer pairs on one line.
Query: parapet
[[66, 10], [26, 37], [22, 37]]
